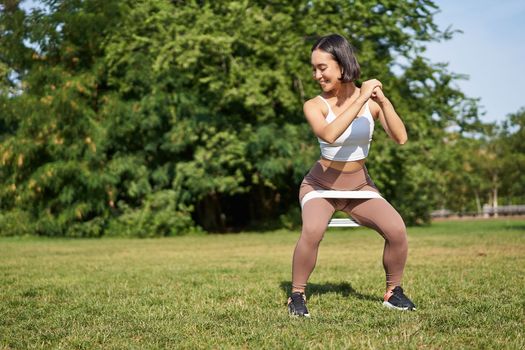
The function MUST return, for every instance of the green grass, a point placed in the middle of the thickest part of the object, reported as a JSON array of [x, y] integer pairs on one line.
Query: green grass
[[229, 291]]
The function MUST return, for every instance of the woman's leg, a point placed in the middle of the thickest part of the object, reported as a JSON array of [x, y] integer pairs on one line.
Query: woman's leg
[[316, 214], [381, 216]]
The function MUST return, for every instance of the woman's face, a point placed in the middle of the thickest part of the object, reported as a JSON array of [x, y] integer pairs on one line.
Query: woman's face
[[325, 70]]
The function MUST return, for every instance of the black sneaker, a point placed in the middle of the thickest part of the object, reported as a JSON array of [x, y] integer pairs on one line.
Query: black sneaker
[[297, 305], [396, 299]]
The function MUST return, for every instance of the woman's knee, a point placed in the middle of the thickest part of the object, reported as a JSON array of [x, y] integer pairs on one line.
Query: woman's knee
[[396, 233], [313, 233]]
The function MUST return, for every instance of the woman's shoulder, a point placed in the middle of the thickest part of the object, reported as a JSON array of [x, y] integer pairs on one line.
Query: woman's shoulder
[[315, 107], [314, 100], [315, 103]]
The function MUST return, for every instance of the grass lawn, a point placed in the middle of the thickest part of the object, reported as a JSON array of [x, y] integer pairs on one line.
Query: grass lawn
[[229, 291]]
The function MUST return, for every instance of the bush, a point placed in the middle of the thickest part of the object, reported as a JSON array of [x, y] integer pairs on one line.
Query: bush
[[16, 223], [159, 216]]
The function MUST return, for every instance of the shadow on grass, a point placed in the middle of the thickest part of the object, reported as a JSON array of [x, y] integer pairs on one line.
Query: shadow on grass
[[515, 228], [344, 288]]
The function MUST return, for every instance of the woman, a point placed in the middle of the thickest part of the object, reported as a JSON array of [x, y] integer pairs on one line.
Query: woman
[[343, 119]]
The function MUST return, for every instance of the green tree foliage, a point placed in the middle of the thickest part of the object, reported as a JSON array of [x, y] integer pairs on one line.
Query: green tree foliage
[[513, 176], [53, 171], [484, 168], [502, 161], [155, 117]]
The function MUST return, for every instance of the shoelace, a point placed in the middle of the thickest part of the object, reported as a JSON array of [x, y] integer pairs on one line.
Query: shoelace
[[298, 298], [398, 291]]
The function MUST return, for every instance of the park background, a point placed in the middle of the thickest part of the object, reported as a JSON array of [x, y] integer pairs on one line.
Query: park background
[[158, 118], [125, 119]]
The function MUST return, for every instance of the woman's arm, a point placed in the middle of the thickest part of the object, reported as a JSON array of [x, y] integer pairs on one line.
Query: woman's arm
[[389, 118], [329, 132]]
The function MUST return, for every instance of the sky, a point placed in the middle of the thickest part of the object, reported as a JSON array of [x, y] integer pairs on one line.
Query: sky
[[491, 51]]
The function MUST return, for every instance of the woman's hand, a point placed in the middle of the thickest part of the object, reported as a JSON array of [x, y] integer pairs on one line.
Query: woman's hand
[[378, 96], [368, 87], [392, 123]]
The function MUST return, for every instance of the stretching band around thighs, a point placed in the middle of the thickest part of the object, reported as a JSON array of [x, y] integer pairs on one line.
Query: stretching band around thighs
[[339, 194]]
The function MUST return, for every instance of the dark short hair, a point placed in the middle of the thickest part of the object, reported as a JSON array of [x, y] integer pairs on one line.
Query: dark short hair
[[344, 53]]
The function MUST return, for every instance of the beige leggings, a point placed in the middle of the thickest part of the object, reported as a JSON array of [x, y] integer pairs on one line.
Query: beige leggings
[[375, 213]]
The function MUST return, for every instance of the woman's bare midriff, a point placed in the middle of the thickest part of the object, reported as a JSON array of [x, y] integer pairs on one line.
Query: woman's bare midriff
[[343, 166]]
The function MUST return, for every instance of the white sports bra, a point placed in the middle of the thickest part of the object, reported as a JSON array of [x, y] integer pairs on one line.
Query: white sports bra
[[354, 142]]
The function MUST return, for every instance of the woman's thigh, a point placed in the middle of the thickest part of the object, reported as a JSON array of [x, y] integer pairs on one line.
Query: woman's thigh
[[316, 213], [376, 213]]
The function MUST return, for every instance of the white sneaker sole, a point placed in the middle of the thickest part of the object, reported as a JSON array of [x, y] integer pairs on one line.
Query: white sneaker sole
[[390, 306], [298, 316]]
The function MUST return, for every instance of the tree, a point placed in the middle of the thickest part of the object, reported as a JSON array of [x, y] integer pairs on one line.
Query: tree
[[154, 110], [484, 168], [505, 160], [53, 169], [512, 136]]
